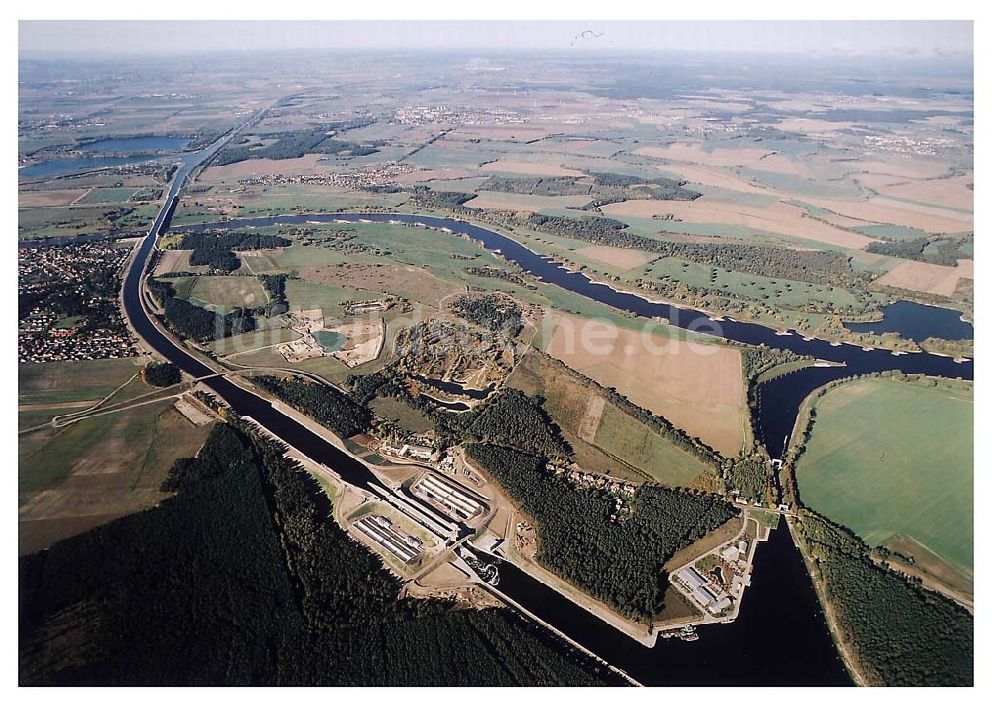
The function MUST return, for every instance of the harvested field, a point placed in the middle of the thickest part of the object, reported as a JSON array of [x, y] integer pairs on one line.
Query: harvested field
[[902, 167], [305, 165], [49, 197], [952, 192], [714, 178], [55, 382], [888, 458], [443, 173], [779, 218], [518, 133], [529, 168], [623, 258], [173, 261], [222, 293], [927, 277], [525, 202], [693, 152], [407, 281], [586, 417], [882, 210], [698, 387]]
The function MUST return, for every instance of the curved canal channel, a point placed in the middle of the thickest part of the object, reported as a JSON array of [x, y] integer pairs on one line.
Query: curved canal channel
[[780, 636]]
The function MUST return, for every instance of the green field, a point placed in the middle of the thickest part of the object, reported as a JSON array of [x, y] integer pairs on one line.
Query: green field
[[109, 195], [221, 293], [80, 476], [888, 458], [63, 381], [405, 416]]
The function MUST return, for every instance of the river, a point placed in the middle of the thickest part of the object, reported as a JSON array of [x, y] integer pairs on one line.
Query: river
[[778, 400]]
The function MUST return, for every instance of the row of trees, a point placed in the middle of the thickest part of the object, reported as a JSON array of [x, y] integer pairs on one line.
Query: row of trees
[[616, 555]]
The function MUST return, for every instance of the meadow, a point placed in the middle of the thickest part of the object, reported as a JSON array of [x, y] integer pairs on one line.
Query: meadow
[[891, 459]]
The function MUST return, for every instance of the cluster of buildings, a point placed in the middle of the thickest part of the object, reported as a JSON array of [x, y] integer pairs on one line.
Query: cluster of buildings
[[83, 278], [907, 145], [365, 177], [719, 591], [593, 480], [429, 115]]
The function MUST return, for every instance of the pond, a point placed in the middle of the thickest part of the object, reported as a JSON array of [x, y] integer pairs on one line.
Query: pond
[[917, 322], [330, 341]]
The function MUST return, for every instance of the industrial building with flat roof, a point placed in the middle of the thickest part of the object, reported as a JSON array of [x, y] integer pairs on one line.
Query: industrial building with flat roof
[[452, 499], [379, 529]]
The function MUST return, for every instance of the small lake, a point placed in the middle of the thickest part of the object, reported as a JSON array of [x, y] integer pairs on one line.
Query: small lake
[[330, 341], [106, 153], [145, 144], [917, 322]]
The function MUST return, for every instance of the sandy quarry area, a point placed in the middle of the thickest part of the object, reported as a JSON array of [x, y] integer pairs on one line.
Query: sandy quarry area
[[779, 218], [363, 341], [927, 277], [698, 387]]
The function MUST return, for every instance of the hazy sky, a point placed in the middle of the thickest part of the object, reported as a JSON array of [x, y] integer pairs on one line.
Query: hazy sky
[[926, 38]]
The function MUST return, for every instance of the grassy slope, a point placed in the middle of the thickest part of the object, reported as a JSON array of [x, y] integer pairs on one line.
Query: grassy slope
[[890, 458]]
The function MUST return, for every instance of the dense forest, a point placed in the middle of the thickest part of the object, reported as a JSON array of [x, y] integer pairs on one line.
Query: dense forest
[[292, 145], [900, 633], [940, 251], [434, 199], [326, 404], [510, 418], [495, 312], [615, 554], [161, 375], [198, 323], [243, 578], [217, 250]]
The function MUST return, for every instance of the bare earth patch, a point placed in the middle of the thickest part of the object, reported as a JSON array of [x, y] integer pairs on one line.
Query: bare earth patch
[[698, 387], [693, 152], [620, 257], [50, 197], [529, 168]]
